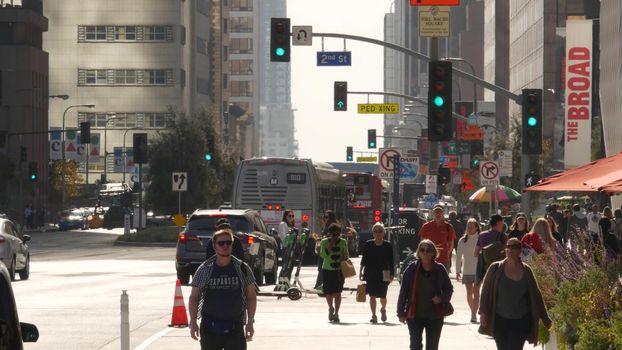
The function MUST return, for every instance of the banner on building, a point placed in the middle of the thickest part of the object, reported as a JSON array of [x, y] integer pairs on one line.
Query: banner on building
[[118, 159], [56, 152], [71, 145], [578, 91]]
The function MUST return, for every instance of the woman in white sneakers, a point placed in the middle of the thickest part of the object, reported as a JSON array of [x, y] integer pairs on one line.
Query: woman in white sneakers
[[466, 272]]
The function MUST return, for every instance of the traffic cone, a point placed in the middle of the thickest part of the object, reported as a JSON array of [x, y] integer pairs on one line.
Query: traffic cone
[[179, 317]]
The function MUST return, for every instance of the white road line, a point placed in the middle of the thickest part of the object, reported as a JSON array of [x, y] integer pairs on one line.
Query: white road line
[[152, 339]]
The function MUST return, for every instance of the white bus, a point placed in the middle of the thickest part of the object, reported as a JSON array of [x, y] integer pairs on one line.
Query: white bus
[[271, 185]]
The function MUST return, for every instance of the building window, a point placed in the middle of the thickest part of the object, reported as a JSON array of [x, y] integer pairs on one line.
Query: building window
[[145, 120], [125, 77], [201, 45], [241, 88], [241, 67], [241, 45], [241, 24], [95, 33], [155, 33], [154, 77], [96, 77], [125, 33], [241, 5], [203, 7]]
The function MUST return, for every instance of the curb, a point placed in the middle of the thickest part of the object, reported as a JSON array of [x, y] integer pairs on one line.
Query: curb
[[146, 244]]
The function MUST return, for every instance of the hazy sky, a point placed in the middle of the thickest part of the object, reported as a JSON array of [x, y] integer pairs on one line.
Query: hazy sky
[[323, 134]]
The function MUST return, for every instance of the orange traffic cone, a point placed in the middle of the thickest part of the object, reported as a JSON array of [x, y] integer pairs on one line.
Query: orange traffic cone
[[179, 318]]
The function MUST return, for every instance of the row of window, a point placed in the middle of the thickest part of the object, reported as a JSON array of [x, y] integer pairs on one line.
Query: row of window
[[125, 77], [145, 120], [157, 33]]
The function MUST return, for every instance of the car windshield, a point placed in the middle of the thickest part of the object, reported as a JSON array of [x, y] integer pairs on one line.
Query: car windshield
[[208, 223]]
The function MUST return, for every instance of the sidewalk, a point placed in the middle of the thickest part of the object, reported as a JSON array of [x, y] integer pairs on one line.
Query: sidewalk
[[303, 324]]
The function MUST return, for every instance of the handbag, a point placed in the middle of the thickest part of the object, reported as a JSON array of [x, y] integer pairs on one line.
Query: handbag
[[361, 292], [446, 309], [347, 269]]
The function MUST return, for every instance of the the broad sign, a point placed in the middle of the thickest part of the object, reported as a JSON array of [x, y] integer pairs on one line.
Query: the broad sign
[[378, 108], [334, 58], [434, 2]]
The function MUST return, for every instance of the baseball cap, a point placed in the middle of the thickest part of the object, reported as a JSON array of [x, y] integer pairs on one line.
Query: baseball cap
[[494, 219], [223, 223], [521, 215], [438, 206]]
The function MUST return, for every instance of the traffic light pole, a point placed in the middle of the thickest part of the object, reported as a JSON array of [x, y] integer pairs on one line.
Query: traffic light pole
[[434, 151]]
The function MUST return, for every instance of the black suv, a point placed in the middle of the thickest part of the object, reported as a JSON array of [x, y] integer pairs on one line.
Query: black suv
[[260, 249], [12, 332]]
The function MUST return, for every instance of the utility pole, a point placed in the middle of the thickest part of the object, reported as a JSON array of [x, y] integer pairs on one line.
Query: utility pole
[[434, 151]]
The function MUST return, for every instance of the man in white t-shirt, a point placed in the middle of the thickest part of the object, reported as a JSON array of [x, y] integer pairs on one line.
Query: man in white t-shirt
[[593, 218]]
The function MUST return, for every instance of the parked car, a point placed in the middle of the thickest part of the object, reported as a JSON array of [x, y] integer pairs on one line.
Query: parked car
[[115, 217], [14, 250], [12, 332], [352, 237], [72, 219], [260, 248]]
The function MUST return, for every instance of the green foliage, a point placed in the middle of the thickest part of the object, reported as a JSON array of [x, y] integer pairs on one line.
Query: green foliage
[[181, 148], [601, 334]]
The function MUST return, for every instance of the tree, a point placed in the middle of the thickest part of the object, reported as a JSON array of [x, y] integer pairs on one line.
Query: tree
[[181, 148]]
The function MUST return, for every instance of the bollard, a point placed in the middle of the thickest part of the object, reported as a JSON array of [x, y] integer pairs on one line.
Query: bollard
[[125, 321], [126, 224]]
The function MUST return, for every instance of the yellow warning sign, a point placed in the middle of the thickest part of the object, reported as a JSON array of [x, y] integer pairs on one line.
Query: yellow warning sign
[[366, 159], [179, 220], [379, 108]]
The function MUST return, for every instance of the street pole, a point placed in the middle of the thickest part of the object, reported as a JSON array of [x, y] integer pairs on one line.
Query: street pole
[[125, 151], [434, 147]]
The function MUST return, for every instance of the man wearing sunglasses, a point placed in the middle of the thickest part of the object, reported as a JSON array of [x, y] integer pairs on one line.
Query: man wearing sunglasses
[[224, 297], [442, 233]]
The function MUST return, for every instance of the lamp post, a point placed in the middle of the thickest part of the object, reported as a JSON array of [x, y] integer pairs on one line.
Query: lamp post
[[106, 144], [125, 151], [62, 188], [460, 59]]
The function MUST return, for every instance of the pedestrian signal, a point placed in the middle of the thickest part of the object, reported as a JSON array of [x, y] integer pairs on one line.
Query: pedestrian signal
[[371, 138], [341, 96]]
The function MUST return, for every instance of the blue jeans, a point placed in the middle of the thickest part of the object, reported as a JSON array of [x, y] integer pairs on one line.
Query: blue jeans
[[511, 334], [432, 333]]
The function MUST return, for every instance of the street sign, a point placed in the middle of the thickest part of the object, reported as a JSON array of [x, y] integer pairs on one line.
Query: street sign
[[179, 220], [505, 162], [531, 179], [431, 184], [302, 36], [180, 181], [434, 2], [366, 159], [334, 58], [378, 108], [434, 21], [472, 133], [385, 162], [489, 173]]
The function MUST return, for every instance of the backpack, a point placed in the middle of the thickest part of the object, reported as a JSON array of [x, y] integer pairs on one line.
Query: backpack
[[495, 251]]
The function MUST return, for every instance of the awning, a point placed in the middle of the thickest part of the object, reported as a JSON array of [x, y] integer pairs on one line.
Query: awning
[[591, 177], [612, 188]]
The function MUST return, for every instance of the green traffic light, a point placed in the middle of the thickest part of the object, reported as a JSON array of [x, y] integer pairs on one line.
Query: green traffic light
[[208, 156], [532, 121], [372, 144], [33, 177], [439, 101], [279, 51]]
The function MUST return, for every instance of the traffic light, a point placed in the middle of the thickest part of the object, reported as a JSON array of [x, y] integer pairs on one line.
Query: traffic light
[[440, 121], [474, 163], [349, 154], [32, 171], [532, 121], [140, 148], [279, 40], [371, 138], [341, 96], [209, 155], [85, 133], [23, 154], [444, 175], [477, 148]]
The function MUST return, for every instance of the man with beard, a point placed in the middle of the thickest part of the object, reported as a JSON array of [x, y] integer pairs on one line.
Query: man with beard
[[224, 297]]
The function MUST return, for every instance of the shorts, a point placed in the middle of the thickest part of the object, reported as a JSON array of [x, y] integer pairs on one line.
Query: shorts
[[377, 289], [333, 281], [466, 279]]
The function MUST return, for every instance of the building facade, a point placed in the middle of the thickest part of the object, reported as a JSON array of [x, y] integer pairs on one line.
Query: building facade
[[23, 104], [134, 61]]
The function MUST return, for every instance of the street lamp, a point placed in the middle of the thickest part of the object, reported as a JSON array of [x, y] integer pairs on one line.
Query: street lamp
[[125, 151], [62, 188], [62, 97], [460, 59], [106, 144]]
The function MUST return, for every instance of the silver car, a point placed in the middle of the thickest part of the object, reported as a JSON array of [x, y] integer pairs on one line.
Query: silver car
[[14, 250]]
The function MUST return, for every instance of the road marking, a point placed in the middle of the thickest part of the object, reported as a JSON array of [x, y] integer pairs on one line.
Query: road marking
[[152, 339]]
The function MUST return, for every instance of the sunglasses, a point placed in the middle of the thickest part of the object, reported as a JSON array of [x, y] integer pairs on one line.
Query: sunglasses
[[290, 216], [426, 250], [513, 246], [224, 243], [378, 231]]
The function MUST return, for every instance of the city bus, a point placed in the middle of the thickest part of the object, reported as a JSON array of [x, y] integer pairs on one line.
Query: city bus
[[271, 185], [367, 198]]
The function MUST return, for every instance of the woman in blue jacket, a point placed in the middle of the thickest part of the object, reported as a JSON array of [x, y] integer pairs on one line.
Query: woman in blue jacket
[[425, 291]]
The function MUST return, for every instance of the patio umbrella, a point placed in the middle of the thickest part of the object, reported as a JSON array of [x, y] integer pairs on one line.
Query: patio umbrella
[[502, 194]]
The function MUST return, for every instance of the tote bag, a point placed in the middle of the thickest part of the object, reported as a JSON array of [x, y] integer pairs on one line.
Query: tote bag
[[347, 269]]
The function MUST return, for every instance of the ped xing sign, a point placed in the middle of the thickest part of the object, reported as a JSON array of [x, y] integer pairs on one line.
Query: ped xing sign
[[434, 2], [378, 108], [366, 159]]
